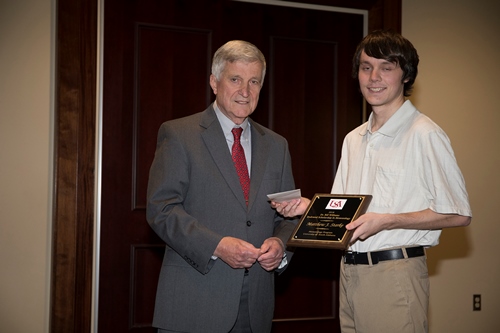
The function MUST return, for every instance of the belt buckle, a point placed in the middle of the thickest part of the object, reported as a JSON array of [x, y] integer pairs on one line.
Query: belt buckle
[[352, 255]]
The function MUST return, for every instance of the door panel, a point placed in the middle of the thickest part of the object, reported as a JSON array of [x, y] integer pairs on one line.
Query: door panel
[[157, 64], [170, 63]]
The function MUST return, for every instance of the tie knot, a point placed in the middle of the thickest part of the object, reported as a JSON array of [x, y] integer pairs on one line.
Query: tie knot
[[237, 133]]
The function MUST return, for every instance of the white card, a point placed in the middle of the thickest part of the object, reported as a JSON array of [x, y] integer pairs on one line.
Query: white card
[[285, 196]]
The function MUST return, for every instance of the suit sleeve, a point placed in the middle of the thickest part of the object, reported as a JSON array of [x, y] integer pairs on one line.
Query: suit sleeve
[[167, 188], [285, 226]]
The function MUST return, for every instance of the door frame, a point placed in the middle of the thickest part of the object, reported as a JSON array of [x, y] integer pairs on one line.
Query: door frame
[[77, 150]]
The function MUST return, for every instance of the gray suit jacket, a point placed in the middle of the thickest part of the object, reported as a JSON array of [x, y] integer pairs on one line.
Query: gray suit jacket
[[194, 200]]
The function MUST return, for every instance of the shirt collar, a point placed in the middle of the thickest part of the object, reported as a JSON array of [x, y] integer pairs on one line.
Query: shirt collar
[[227, 124], [395, 123]]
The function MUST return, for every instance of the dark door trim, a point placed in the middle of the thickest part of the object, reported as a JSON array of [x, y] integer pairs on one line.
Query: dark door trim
[[74, 161], [76, 132]]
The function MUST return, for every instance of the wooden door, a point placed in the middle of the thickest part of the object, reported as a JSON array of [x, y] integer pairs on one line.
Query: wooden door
[[156, 67], [73, 239]]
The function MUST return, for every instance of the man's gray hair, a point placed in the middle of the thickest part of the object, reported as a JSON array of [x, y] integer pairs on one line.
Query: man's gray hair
[[237, 50]]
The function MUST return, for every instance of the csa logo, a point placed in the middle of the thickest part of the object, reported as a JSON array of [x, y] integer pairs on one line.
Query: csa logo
[[336, 204]]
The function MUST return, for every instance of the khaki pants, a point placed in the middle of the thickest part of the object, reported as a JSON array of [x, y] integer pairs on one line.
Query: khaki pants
[[389, 297]]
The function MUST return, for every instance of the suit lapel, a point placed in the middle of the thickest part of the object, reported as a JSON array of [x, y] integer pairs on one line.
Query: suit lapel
[[260, 154], [217, 146]]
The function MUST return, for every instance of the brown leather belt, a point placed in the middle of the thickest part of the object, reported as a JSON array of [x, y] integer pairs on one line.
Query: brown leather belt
[[361, 258]]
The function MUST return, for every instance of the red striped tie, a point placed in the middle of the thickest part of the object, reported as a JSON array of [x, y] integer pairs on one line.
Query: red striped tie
[[240, 162]]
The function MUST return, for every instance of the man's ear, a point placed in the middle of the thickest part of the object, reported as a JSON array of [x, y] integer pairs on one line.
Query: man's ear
[[213, 83]]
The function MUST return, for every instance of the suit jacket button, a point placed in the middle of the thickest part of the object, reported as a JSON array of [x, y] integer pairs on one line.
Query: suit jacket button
[[249, 223]]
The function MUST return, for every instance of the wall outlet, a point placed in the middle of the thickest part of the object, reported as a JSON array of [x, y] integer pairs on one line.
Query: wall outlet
[[476, 302]]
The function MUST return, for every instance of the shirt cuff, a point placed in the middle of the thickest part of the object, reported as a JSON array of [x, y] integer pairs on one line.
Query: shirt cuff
[[284, 261]]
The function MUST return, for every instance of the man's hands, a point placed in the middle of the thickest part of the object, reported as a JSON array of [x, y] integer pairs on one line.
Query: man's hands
[[367, 225], [291, 208], [236, 252], [240, 254], [271, 253]]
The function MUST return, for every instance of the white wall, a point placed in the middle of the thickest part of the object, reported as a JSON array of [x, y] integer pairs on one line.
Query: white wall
[[458, 87], [25, 164]]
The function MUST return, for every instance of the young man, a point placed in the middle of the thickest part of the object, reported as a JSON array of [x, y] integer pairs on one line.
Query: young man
[[224, 241], [405, 161]]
